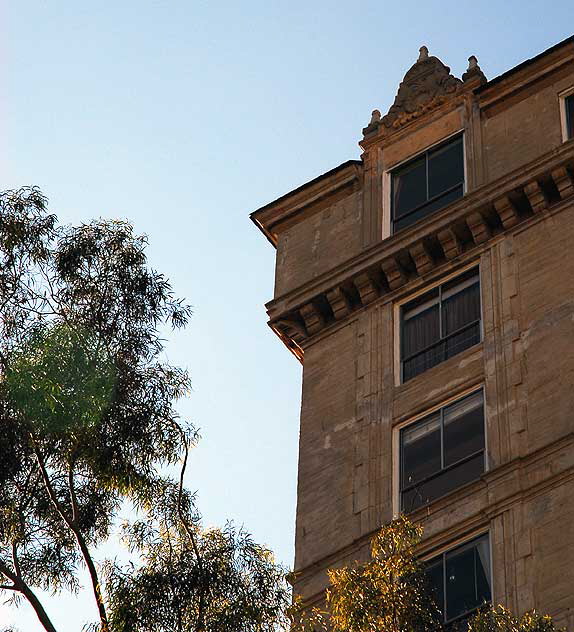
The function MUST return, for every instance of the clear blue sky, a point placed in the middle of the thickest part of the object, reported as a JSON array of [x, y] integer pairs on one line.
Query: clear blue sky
[[185, 116]]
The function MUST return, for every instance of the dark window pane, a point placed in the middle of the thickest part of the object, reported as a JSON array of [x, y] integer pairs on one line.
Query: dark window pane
[[441, 484], [570, 116], [426, 492], [463, 428], [446, 168], [463, 340], [461, 308], [465, 472], [428, 209], [409, 187], [434, 575], [421, 450], [460, 583], [423, 361], [421, 331]]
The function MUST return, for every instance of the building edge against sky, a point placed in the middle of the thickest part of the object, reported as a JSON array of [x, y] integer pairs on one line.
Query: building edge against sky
[[428, 290]]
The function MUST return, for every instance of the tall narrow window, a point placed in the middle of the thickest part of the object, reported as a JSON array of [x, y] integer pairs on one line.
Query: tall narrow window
[[440, 324], [427, 183], [569, 108], [460, 580], [442, 452]]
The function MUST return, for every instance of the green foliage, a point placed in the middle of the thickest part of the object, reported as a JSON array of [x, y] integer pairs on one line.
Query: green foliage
[[233, 585], [501, 620], [388, 592], [61, 379], [88, 423]]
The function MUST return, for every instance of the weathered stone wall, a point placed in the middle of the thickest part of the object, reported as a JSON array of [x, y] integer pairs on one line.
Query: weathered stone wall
[[351, 403], [319, 243], [523, 127]]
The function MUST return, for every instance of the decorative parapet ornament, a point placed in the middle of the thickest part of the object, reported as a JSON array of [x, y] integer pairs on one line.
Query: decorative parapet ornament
[[426, 85]]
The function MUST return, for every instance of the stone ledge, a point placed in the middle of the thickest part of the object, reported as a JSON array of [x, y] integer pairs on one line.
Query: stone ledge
[[513, 200]]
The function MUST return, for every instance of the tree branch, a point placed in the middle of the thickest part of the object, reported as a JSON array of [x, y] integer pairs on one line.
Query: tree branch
[[20, 586], [72, 490], [79, 539], [15, 561], [189, 531]]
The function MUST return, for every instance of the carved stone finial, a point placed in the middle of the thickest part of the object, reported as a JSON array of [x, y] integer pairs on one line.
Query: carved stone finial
[[473, 71], [373, 123], [375, 117], [427, 84]]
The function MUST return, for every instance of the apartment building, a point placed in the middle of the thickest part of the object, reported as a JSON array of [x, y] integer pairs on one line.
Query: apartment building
[[428, 291]]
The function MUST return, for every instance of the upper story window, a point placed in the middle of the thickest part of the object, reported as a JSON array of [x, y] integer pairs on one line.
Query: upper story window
[[427, 183], [440, 323], [442, 451], [569, 110], [460, 580]]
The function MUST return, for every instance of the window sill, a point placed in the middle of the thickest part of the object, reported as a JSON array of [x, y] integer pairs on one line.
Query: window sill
[[461, 371]]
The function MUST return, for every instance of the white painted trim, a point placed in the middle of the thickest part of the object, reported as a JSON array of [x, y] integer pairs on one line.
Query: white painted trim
[[562, 97], [386, 184], [396, 443], [387, 204]]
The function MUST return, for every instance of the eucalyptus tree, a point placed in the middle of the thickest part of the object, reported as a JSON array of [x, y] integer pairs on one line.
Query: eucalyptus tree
[[88, 422]]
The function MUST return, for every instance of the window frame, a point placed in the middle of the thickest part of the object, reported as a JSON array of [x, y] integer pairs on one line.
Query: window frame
[[388, 230], [397, 450], [564, 122], [399, 328], [451, 548]]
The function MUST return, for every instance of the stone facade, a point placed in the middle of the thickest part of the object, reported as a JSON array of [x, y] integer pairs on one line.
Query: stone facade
[[340, 278]]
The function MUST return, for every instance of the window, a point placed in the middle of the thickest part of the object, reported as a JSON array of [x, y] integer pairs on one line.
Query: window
[[427, 183], [569, 110], [439, 324], [460, 580], [442, 451]]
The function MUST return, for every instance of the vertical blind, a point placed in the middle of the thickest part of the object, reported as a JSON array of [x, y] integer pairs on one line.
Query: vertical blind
[[440, 324]]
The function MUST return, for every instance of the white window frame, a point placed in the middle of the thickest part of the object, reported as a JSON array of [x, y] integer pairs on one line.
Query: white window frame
[[423, 290], [562, 96], [387, 175], [396, 472]]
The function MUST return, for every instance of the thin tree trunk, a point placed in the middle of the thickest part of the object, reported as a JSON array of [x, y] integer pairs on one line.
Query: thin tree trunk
[[24, 589], [95, 581], [200, 626], [79, 538]]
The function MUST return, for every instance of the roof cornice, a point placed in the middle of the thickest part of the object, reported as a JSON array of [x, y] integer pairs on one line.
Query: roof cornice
[[449, 236], [306, 199]]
